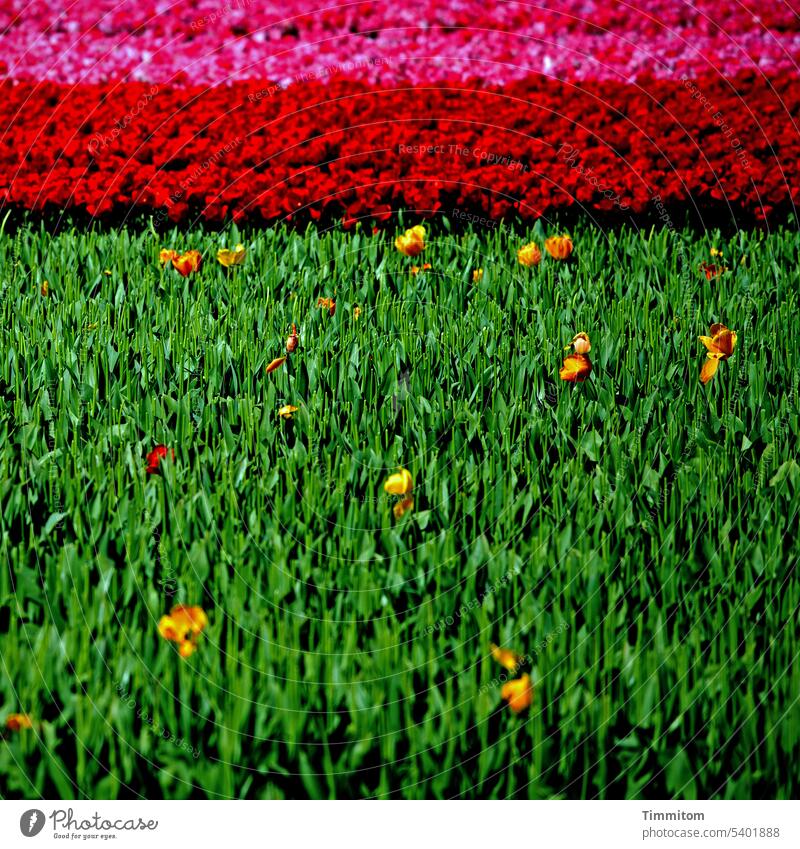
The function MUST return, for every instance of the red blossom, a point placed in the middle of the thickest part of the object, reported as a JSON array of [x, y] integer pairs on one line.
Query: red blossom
[[533, 147], [155, 457]]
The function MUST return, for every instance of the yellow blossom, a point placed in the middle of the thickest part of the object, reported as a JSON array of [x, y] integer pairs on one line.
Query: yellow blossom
[[412, 242], [400, 483], [529, 254], [228, 257]]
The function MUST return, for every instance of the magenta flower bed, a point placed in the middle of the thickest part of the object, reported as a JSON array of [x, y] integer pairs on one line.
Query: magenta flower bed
[[219, 41]]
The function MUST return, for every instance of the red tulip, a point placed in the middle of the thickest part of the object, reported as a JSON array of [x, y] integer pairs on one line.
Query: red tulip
[[155, 457]]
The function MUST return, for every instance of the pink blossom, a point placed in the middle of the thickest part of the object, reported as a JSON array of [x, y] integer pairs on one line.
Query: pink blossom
[[218, 41]]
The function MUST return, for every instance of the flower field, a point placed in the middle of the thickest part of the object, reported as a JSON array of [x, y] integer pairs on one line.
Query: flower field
[[355, 153], [399, 402], [630, 536], [216, 112]]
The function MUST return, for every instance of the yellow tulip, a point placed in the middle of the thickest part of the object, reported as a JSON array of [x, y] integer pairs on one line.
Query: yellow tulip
[[529, 254], [400, 483], [231, 257], [412, 242]]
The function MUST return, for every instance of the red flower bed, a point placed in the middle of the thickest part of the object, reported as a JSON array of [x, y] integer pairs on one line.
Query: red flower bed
[[349, 150]]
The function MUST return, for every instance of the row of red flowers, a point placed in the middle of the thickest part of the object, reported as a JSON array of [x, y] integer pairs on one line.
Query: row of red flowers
[[349, 150]]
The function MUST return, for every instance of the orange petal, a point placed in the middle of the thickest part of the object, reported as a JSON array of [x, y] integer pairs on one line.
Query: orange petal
[[401, 507], [559, 247], [18, 721], [717, 328], [710, 367], [712, 271], [576, 368], [518, 693], [187, 262], [192, 618], [276, 364], [186, 649], [506, 657], [709, 343], [327, 303], [725, 341], [172, 630]]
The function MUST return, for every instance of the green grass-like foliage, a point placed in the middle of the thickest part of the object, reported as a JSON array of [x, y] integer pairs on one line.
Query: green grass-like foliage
[[635, 535]]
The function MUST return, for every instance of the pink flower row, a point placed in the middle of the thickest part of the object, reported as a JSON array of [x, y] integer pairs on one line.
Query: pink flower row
[[384, 42]]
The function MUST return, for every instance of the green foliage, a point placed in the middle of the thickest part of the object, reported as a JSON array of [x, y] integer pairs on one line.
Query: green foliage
[[633, 535]]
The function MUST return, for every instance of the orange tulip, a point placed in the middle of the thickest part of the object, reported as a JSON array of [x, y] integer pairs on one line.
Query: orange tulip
[[506, 657], [356, 313], [720, 345], [401, 507], [529, 254], [45, 290], [559, 247], [576, 368], [183, 625], [477, 275], [286, 411], [187, 263], [328, 304], [412, 242], [166, 256], [18, 721], [518, 693], [712, 271], [415, 269], [275, 364]]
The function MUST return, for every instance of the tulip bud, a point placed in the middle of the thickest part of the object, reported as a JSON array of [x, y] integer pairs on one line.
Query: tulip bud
[[292, 340]]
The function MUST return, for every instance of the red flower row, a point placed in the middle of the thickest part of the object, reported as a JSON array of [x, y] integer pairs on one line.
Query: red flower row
[[350, 150]]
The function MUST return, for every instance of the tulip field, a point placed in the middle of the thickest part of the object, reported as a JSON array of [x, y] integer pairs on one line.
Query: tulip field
[[399, 402], [475, 529]]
